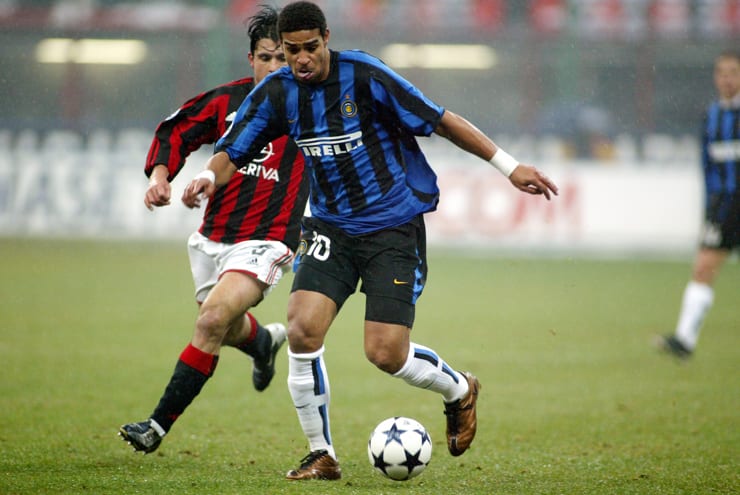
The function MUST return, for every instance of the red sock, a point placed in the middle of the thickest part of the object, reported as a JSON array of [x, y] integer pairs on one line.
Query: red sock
[[199, 360], [253, 329]]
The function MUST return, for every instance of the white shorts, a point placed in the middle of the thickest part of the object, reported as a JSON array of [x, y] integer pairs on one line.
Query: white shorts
[[264, 260]]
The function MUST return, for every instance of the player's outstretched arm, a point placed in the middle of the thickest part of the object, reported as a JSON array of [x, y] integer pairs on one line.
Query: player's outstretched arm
[[159, 191], [469, 138], [218, 171]]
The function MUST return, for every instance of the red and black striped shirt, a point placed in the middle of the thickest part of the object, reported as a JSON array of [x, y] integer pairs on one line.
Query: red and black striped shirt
[[265, 199]]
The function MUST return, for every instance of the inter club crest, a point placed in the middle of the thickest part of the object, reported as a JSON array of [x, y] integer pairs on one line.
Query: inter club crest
[[349, 107]]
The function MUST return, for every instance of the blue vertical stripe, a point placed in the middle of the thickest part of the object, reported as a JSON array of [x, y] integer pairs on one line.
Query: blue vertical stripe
[[449, 371], [325, 421], [711, 174], [418, 284], [319, 383], [728, 134], [713, 120]]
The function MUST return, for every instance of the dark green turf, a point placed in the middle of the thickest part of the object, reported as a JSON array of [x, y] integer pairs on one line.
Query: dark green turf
[[574, 399]]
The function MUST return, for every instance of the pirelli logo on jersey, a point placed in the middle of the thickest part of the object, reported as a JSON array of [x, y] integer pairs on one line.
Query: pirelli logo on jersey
[[724, 151], [330, 146]]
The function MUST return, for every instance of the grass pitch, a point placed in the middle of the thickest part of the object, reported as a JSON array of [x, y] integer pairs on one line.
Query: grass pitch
[[574, 399]]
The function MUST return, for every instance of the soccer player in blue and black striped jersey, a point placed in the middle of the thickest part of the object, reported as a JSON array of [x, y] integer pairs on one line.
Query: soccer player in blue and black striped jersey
[[721, 231], [356, 122]]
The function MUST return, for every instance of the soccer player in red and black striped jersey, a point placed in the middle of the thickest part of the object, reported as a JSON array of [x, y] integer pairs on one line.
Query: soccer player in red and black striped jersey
[[721, 232], [248, 237]]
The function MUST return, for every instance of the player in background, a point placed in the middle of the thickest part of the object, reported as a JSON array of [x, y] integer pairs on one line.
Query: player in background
[[248, 237], [356, 122], [721, 231]]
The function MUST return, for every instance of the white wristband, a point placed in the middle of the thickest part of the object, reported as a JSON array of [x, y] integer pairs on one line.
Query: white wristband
[[207, 174], [504, 162]]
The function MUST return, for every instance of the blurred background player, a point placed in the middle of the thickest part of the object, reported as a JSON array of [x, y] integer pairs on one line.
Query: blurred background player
[[721, 232], [248, 237], [356, 120]]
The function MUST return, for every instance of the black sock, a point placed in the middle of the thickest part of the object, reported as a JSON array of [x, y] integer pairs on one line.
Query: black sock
[[186, 383], [259, 345]]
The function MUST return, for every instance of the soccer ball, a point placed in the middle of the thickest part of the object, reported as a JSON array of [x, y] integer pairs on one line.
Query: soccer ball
[[399, 448]]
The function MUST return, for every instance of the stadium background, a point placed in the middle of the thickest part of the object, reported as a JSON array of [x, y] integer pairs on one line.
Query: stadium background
[[604, 95], [575, 398]]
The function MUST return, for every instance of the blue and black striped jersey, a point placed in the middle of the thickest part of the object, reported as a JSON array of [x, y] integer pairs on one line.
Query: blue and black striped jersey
[[357, 131], [721, 149]]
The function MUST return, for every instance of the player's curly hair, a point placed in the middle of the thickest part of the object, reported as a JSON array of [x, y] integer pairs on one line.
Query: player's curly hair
[[262, 25], [300, 16]]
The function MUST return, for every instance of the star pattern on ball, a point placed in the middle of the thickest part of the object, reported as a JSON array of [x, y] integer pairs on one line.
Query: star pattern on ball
[[400, 448], [380, 463], [391, 435], [394, 434], [412, 460]]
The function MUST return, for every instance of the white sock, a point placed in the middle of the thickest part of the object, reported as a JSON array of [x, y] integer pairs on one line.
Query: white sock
[[697, 299], [160, 431], [309, 387], [425, 369]]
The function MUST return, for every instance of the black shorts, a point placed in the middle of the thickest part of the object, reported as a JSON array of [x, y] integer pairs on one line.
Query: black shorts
[[391, 264], [722, 222]]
